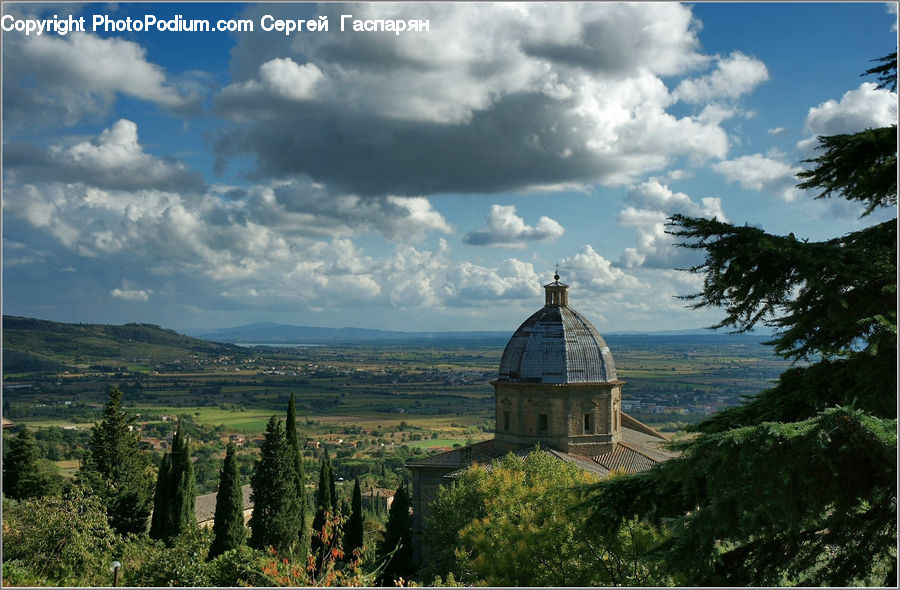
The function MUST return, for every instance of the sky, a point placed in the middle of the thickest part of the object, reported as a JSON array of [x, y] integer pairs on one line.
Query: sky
[[416, 180]]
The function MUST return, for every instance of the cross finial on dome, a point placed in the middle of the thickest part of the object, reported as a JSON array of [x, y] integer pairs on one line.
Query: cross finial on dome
[[556, 274]]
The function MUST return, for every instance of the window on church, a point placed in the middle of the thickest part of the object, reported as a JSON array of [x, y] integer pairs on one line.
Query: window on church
[[543, 423], [505, 419], [589, 423]]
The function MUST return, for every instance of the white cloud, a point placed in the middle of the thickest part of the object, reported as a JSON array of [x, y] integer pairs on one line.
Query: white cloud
[[591, 271], [131, 294], [775, 130], [734, 76], [505, 228], [768, 174], [114, 160], [867, 106], [80, 74], [280, 79], [648, 205]]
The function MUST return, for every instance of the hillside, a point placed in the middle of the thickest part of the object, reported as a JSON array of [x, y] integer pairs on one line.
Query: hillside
[[36, 346]]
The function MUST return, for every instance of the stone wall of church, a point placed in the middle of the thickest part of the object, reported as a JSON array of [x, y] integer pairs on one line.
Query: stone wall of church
[[583, 419]]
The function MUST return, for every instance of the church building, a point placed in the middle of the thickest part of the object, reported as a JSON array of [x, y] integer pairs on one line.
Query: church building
[[557, 389]]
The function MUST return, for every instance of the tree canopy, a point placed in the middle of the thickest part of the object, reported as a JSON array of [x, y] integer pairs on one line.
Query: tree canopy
[[515, 523], [228, 522], [276, 508], [293, 440], [118, 470], [25, 473], [798, 484]]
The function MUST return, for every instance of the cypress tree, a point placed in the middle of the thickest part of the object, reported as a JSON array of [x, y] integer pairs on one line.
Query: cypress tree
[[228, 523], [324, 505], [294, 443], [180, 510], [276, 508], [25, 473], [397, 539], [353, 531], [118, 470], [161, 499]]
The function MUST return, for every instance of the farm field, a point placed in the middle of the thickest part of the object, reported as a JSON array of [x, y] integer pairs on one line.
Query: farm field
[[376, 406]]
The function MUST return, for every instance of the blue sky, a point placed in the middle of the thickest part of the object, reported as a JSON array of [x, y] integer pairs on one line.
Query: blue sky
[[422, 181]]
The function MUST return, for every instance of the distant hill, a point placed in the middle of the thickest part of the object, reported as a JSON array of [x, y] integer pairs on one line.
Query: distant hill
[[267, 333], [275, 334], [31, 345]]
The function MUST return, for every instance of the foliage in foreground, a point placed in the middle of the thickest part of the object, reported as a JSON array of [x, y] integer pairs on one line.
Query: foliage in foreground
[[61, 540], [67, 541], [516, 524], [798, 485]]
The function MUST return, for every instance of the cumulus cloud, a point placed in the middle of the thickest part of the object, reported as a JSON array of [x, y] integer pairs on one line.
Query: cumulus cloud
[[648, 205], [592, 271], [49, 78], [486, 101], [280, 79], [114, 160], [859, 109], [734, 76], [505, 228], [131, 294], [765, 173]]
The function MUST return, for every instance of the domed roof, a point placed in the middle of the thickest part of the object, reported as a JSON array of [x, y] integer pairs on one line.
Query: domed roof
[[557, 345]]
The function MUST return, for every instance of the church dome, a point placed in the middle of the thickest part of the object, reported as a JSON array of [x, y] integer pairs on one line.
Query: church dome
[[557, 345]]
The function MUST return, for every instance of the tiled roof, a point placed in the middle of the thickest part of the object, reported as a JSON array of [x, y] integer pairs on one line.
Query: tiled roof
[[625, 458], [482, 452], [638, 451], [205, 505], [374, 492]]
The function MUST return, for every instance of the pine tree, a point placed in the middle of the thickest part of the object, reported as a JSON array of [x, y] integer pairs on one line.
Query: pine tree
[[276, 508], [180, 515], [397, 539], [797, 486], [324, 505], [353, 531], [294, 442], [118, 470], [161, 495], [228, 523], [25, 473]]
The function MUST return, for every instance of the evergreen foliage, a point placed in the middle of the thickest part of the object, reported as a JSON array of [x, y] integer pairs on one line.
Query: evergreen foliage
[[276, 507], [176, 491], [395, 551], [798, 485], [180, 511], [294, 442], [159, 518], [325, 503], [25, 473], [118, 470], [228, 522], [354, 531]]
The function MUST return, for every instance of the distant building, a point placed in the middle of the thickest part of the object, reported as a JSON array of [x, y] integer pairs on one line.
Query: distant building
[[376, 498], [205, 507], [557, 390]]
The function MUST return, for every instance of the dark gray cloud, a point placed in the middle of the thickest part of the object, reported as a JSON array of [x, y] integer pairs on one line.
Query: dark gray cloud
[[488, 100]]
